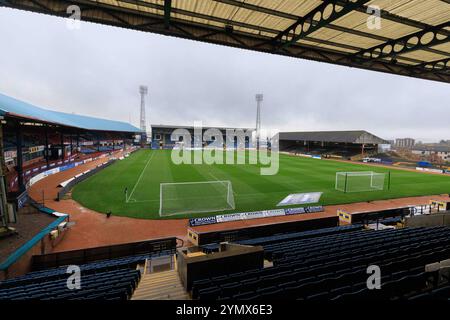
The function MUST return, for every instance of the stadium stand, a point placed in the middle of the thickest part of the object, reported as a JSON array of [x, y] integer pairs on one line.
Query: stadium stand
[[161, 136], [113, 279], [332, 264], [339, 144]]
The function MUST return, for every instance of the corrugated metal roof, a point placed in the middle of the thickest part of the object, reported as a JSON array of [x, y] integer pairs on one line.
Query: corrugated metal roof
[[168, 126], [412, 37], [432, 148], [16, 108], [357, 136]]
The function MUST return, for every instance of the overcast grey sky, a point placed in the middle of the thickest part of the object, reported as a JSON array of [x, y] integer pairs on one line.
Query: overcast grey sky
[[97, 69]]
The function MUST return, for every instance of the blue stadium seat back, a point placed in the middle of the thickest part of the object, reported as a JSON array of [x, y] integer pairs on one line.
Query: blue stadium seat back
[[209, 294], [421, 297], [249, 295], [321, 296], [273, 294], [340, 291], [230, 289], [441, 293]]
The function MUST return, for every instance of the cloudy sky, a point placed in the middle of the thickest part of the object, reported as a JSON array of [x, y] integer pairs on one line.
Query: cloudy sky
[[97, 70]]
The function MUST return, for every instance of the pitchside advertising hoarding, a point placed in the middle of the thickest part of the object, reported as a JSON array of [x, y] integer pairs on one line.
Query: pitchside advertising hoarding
[[194, 222]]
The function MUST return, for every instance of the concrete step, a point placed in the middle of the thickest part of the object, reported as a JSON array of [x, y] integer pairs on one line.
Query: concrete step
[[165, 285]]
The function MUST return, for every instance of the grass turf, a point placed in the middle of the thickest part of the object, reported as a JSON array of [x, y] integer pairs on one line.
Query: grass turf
[[144, 170]]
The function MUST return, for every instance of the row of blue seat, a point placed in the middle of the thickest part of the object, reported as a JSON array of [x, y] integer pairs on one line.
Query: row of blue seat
[[264, 241], [396, 250], [342, 274], [440, 293], [106, 285], [88, 268], [338, 238], [360, 239], [356, 247]]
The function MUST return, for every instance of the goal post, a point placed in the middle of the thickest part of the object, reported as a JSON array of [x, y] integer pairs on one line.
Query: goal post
[[195, 197], [359, 181]]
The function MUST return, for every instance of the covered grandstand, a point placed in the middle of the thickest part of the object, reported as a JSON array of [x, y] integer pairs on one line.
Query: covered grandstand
[[345, 144], [320, 262], [161, 136], [36, 140]]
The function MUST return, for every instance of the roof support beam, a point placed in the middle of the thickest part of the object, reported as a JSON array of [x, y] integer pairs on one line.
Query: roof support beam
[[332, 26], [439, 65], [416, 41], [167, 10], [325, 13], [97, 12], [260, 9]]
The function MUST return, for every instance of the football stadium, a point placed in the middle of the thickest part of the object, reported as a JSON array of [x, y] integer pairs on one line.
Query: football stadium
[[98, 209]]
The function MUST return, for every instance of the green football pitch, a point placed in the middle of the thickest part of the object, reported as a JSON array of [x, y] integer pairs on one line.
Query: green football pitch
[[143, 172]]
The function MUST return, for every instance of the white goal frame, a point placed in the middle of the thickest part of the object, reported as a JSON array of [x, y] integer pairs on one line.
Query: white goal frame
[[371, 187], [229, 197]]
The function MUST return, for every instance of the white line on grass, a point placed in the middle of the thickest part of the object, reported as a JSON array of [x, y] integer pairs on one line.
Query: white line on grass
[[245, 195], [140, 176]]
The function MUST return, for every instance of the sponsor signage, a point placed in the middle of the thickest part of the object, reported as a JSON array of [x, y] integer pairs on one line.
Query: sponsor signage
[[440, 205], [344, 216], [66, 167], [36, 149], [22, 199], [194, 222], [292, 211], [252, 215], [301, 210], [430, 170]]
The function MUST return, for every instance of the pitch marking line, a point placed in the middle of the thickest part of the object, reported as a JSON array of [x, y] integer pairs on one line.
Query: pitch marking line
[[140, 177]]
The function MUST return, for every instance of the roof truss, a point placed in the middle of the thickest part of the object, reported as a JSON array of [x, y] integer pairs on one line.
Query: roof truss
[[300, 39]]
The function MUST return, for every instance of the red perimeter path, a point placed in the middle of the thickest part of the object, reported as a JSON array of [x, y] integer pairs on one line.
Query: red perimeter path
[[93, 229]]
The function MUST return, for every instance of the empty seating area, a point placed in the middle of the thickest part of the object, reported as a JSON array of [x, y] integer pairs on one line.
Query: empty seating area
[[333, 266], [263, 241], [113, 279], [325, 152]]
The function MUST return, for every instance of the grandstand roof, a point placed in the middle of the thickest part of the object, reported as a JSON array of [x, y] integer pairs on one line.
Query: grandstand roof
[[11, 107], [412, 38], [164, 126], [432, 148], [357, 136]]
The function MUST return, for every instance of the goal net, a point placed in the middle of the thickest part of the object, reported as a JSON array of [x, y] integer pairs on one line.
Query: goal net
[[195, 197], [359, 181]]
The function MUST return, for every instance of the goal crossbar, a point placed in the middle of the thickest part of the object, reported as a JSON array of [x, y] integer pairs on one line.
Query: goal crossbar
[[359, 181]]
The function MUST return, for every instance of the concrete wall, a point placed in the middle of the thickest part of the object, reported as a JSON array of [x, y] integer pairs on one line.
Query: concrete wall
[[23, 265], [234, 258], [435, 219]]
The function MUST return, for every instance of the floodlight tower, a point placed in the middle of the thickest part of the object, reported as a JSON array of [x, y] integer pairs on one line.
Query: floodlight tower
[[259, 99], [143, 90]]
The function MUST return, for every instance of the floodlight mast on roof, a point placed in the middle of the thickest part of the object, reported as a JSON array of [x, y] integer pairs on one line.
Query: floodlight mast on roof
[[143, 90], [259, 99]]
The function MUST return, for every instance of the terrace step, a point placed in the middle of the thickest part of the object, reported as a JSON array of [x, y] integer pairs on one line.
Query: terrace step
[[165, 285]]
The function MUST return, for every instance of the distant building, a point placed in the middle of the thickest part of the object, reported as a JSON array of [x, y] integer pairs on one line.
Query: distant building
[[405, 143], [437, 152]]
